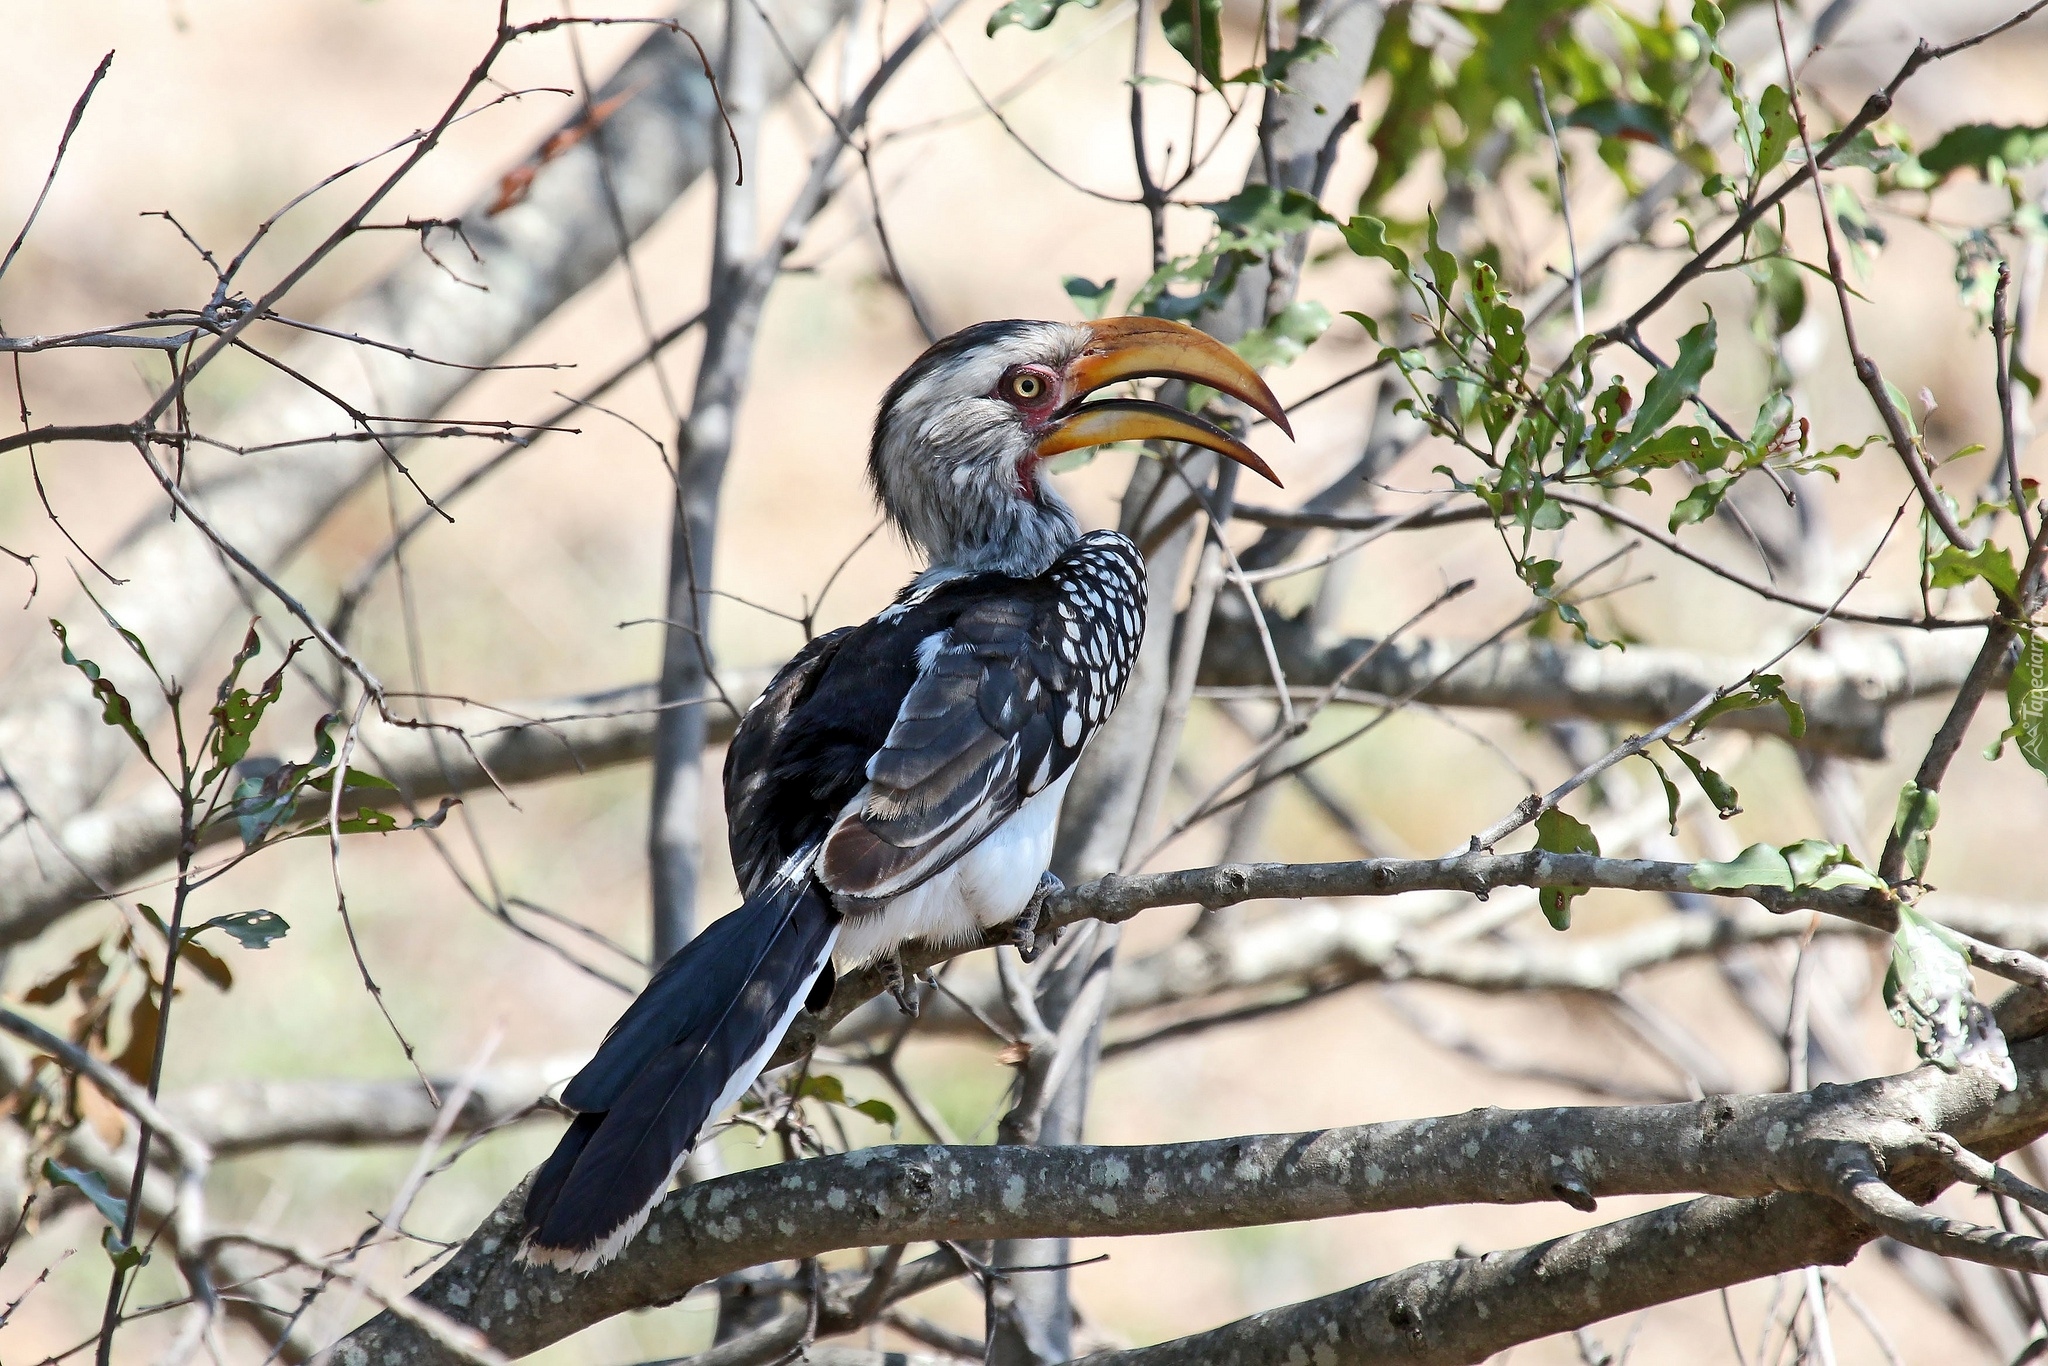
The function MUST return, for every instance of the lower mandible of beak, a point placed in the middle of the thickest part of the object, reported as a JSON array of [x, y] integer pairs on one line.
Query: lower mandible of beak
[[1131, 419]]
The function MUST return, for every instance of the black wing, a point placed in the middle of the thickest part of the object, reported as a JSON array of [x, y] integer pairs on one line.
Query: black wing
[[1005, 702], [801, 752], [760, 844]]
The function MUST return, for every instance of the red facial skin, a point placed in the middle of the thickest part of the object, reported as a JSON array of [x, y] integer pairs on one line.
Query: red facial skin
[[1014, 388]]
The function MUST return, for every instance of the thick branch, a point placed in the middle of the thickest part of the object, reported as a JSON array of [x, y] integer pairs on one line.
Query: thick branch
[[1426, 1315], [1730, 1146]]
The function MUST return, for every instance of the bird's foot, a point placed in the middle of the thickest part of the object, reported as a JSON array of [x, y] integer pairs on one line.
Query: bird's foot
[[1024, 929], [899, 985]]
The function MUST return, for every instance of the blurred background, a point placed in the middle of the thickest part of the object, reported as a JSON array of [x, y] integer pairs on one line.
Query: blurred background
[[219, 112]]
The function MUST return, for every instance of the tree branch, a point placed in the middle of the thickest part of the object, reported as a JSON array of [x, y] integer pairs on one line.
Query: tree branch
[[1753, 1148]]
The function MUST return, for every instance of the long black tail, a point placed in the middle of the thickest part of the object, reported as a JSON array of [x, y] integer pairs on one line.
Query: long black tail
[[692, 1042]]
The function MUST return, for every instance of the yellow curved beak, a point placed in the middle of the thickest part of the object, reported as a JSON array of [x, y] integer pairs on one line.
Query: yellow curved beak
[[1157, 348]]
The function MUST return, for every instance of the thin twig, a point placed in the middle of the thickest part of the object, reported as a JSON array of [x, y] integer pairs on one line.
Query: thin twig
[[1564, 204], [63, 143]]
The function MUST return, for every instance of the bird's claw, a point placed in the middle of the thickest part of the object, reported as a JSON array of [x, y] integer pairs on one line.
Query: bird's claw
[[899, 985], [1024, 929]]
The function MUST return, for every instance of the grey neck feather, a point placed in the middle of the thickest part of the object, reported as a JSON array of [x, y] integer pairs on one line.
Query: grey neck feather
[[946, 455]]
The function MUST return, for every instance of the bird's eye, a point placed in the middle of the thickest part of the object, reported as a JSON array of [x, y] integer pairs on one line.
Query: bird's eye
[[1027, 386]]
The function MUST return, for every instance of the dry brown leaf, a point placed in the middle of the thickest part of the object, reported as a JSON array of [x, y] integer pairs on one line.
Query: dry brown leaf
[[102, 1115], [518, 182]]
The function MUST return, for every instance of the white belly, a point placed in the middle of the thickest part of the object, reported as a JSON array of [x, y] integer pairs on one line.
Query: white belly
[[988, 885]]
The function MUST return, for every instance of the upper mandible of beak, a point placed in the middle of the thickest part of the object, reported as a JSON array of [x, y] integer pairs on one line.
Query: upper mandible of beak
[[1157, 348]]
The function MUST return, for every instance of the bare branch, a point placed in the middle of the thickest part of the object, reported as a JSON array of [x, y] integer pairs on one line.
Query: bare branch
[[56, 162]]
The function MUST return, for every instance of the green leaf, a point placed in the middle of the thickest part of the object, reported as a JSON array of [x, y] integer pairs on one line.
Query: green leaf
[[125, 1256], [1913, 824], [1780, 128], [822, 1086], [1864, 152], [368, 821], [2026, 701], [1505, 328], [880, 1111], [1091, 299], [1683, 444], [1773, 416], [1848, 874], [1032, 14], [830, 1089], [1771, 688], [1559, 832], [323, 742], [1283, 340], [1727, 801], [371, 820], [1808, 859], [114, 708], [1780, 296], [1764, 690], [1930, 993], [356, 780], [1707, 15], [1195, 29], [1627, 120], [1990, 149], [250, 929], [1260, 217], [1367, 236], [1757, 866], [1760, 691], [1671, 799], [1272, 73], [1905, 409], [1366, 321], [1443, 267], [111, 1207], [237, 712], [1951, 568], [1670, 387], [1821, 865], [1701, 502]]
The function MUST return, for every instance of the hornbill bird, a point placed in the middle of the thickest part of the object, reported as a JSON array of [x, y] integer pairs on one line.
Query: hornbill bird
[[901, 779]]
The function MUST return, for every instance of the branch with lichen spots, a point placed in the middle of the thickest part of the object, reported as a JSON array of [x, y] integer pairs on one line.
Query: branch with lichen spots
[[1751, 1149]]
